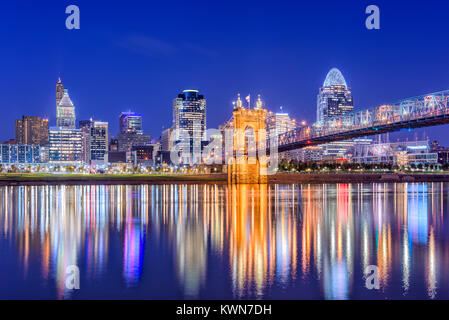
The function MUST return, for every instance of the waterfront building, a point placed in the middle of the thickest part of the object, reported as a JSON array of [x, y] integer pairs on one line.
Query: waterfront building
[[65, 145], [143, 155], [189, 118], [84, 126], [130, 122], [19, 154], [117, 157], [31, 130], [95, 137], [65, 112], [403, 153], [99, 138]]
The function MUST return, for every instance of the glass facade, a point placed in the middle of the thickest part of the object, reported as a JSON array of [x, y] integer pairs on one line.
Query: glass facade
[[189, 116], [65, 145], [65, 112], [19, 154], [130, 122]]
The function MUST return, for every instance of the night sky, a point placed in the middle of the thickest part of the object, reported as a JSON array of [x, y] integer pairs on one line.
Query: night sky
[[138, 55]]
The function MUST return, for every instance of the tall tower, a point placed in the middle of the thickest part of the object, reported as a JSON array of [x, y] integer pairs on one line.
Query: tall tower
[[249, 131], [189, 116], [334, 97], [59, 91], [65, 112]]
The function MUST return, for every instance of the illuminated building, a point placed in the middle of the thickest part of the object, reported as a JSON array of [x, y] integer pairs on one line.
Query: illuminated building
[[334, 99], [130, 122], [95, 139], [65, 112], [31, 130], [131, 133], [398, 153], [59, 91], [189, 118], [19, 154], [65, 145], [143, 155]]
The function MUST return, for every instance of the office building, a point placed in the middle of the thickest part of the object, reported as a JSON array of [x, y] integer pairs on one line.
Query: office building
[[189, 123], [65, 145], [130, 122], [19, 154], [65, 112], [99, 138], [31, 130]]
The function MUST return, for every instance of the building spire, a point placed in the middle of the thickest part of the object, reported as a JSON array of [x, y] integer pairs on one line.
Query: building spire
[[239, 102], [258, 102]]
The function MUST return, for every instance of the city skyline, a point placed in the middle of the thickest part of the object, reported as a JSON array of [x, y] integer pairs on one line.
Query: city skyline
[[279, 60]]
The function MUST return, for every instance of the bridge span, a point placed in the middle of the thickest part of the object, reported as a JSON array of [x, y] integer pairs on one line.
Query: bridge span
[[422, 111]]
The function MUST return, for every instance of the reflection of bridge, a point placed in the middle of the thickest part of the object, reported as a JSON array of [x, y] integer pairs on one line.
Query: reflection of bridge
[[423, 111]]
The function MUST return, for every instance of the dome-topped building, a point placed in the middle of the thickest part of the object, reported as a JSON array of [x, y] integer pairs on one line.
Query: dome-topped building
[[334, 77], [334, 98]]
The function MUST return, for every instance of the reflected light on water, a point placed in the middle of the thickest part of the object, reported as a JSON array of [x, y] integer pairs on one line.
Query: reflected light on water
[[236, 241]]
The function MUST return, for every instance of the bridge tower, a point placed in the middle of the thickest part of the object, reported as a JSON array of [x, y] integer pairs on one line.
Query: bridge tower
[[249, 132]]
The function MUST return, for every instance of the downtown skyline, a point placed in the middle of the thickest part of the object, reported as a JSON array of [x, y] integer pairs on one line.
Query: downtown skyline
[[143, 65]]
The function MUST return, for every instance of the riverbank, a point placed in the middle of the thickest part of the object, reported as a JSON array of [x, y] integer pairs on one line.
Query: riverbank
[[34, 179], [281, 178]]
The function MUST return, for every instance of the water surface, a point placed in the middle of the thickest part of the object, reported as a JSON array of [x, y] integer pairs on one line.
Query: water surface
[[225, 242]]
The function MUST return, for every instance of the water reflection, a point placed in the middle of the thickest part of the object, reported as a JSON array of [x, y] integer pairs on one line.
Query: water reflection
[[245, 241]]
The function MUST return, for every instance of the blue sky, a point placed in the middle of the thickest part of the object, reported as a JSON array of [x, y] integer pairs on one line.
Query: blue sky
[[139, 55]]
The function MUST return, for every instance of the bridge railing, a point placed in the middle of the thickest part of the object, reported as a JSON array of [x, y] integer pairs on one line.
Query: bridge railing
[[407, 110]]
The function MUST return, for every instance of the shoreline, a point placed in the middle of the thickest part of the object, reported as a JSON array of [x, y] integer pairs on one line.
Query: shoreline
[[279, 178]]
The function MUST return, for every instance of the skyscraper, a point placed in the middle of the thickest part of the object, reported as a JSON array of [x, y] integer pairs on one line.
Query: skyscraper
[[65, 112], [130, 122], [131, 132], [99, 139], [189, 115], [334, 97], [31, 130], [59, 91]]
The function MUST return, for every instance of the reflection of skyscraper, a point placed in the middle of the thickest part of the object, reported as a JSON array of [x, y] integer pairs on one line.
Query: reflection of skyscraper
[[334, 99]]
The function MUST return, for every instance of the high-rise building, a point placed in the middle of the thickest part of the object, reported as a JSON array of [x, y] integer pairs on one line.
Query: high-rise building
[[99, 139], [95, 138], [65, 145], [189, 118], [279, 123], [84, 126], [127, 140], [59, 92], [65, 112], [130, 122], [31, 130], [334, 97]]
